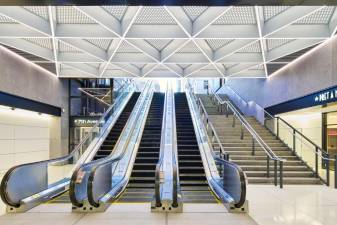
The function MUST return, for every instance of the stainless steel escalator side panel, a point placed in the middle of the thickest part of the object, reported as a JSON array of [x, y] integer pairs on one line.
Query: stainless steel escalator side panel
[[209, 161], [26, 186]]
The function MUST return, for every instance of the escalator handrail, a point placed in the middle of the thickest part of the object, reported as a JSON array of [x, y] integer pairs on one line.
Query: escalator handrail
[[55, 161], [161, 155], [99, 164], [251, 130], [217, 159], [91, 164]]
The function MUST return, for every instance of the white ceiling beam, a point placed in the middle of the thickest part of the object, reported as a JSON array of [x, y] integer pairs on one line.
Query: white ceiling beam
[[207, 18], [52, 22], [187, 58], [230, 32], [136, 58], [263, 45], [29, 47], [148, 69], [74, 73], [82, 31], [333, 23], [18, 31], [290, 48], [242, 58], [176, 68], [172, 48], [162, 74], [83, 68], [194, 68], [156, 31], [102, 17], [231, 48], [117, 73], [26, 18], [88, 48], [240, 68], [181, 18], [144, 46], [77, 57], [287, 18], [303, 32], [206, 74], [129, 68], [250, 74]]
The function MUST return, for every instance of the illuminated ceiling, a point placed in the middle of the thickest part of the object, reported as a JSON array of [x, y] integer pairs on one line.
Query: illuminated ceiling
[[121, 41]]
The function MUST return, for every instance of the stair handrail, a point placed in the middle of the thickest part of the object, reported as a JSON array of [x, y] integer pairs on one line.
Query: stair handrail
[[42, 165], [317, 150], [269, 152]]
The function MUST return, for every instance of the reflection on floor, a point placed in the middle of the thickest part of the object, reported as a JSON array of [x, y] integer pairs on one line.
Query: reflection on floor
[[294, 205]]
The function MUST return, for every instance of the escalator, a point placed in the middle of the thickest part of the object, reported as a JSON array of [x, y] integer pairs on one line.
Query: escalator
[[110, 141], [193, 181], [112, 138], [141, 184]]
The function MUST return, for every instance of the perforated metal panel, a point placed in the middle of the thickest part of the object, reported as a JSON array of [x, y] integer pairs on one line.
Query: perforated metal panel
[[159, 44], [238, 15], [215, 44], [42, 42], [154, 15], [193, 12], [93, 65], [254, 47], [126, 48], [70, 15], [138, 65], [5, 19], [41, 11], [190, 47], [270, 11], [322, 16], [100, 42], [116, 11], [275, 43], [64, 47]]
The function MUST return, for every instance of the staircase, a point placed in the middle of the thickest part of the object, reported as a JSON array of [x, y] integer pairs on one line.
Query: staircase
[[193, 182], [111, 140], [240, 150], [142, 180]]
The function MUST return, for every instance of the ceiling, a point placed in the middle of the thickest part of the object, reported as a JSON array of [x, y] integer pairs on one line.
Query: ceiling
[[193, 41]]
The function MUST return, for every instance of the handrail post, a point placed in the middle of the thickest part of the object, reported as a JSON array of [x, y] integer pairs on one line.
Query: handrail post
[[277, 128], [327, 169], [275, 172], [268, 174], [294, 141], [281, 174], [335, 171], [242, 131], [316, 161], [253, 146], [233, 125]]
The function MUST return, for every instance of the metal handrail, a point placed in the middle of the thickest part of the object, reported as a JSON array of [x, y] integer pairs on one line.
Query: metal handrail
[[161, 156], [99, 164], [225, 163], [74, 177], [317, 150], [55, 161], [251, 130]]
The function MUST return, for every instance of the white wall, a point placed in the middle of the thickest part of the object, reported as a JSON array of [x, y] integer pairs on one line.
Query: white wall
[[24, 137]]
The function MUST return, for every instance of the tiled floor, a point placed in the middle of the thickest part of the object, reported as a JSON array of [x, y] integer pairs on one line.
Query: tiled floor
[[294, 205]]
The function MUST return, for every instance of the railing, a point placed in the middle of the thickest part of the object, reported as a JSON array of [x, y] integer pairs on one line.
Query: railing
[[309, 152], [256, 139], [170, 139], [231, 187], [27, 180], [82, 178]]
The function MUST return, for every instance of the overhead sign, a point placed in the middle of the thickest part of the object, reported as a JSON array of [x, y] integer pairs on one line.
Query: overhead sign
[[83, 121], [318, 98], [327, 96]]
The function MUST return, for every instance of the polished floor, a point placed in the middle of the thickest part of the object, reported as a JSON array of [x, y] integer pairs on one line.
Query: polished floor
[[294, 205]]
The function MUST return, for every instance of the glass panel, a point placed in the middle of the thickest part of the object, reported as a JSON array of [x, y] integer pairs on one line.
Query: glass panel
[[89, 137]]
